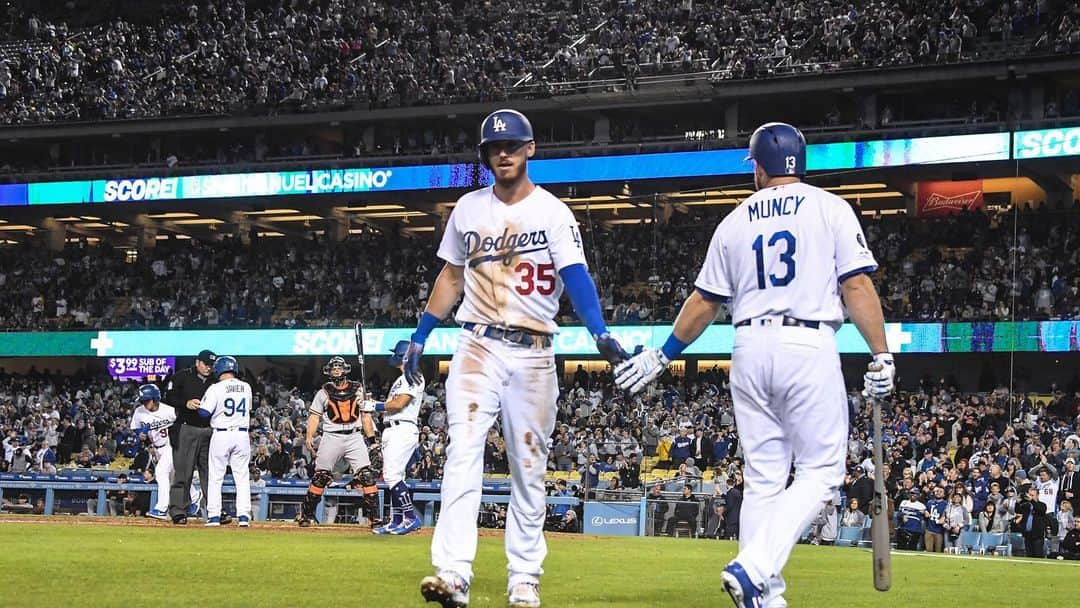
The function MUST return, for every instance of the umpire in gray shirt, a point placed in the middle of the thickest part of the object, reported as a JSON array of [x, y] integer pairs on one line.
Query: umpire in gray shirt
[[191, 434]]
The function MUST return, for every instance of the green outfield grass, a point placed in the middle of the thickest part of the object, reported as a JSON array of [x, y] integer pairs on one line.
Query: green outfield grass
[[45, 564]]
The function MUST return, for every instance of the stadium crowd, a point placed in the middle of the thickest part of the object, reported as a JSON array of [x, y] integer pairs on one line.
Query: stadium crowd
[[271, 56], [947, 269], [983, 448]]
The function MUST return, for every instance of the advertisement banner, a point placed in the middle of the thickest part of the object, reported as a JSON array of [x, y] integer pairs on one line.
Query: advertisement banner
[[1046, 143], [820, 157], [612, 518], [1026, 336], [138, 368], [935, 199]]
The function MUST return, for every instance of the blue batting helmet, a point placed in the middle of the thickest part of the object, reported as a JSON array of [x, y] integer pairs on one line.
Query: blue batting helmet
[[149, 392], [779, 148], [398, 354], [225, 364], [503, 125]]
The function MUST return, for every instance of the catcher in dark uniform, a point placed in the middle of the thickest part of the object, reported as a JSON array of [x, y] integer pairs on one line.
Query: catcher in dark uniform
[[344, 430]]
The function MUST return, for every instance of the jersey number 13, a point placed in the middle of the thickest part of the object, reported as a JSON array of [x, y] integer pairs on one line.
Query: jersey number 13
[[783, 239]]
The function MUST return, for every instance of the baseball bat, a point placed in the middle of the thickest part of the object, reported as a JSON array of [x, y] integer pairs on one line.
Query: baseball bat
[[879, 525], [358, 333]]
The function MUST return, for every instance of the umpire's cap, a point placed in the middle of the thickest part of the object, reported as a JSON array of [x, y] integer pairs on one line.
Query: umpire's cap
[[226, 364], [206, 356], [503, 125], [398, 354], [779, 148], [149, 392]]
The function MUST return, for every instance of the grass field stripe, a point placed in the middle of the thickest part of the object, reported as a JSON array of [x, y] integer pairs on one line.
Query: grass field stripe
[[985, 558]]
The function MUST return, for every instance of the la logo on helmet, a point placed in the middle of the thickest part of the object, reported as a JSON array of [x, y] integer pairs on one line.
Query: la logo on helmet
[[498, 125]]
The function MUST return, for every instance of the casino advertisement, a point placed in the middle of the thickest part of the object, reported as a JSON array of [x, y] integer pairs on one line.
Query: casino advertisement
[[140, 369]]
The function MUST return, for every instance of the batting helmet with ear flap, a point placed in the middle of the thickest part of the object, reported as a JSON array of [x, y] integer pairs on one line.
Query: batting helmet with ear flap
[[149, 392], [779, 148], [397, 356], [503, 125]]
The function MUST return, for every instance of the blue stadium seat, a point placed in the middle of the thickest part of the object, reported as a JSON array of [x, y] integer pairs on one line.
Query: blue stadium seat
[[848, 537], [995, 542], [1016, 540], [865, 541], [969, 542]]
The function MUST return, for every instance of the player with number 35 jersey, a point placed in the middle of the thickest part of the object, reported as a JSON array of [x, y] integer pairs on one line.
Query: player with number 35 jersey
[[511, 248]]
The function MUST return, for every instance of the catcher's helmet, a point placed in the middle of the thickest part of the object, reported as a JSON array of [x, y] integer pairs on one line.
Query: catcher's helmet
[[398, 354], [336, 362], [779, 148], [503, 125], [226, 364], [149, 392]]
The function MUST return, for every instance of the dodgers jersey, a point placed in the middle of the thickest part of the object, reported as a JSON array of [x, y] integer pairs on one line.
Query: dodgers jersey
[[410, 412], [512, 256], [229, 403], [784, 251], [159, 422]]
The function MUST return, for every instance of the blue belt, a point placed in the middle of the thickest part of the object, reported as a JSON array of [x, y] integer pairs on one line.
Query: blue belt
[[523, 337], [788, 322], [243, 428]]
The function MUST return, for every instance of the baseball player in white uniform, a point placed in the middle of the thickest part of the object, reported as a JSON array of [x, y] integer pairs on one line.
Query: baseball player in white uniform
[[511, 248], [227, 403], [153, 419], [399, 440], [785, 257]]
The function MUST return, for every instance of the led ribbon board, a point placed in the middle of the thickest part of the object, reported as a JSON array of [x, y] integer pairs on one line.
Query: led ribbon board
[[820, 157]]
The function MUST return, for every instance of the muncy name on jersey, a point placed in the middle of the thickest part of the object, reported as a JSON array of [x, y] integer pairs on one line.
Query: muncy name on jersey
[[773, 207]]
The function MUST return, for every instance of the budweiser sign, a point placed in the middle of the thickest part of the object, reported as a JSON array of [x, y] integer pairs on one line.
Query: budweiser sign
[[944, 198]]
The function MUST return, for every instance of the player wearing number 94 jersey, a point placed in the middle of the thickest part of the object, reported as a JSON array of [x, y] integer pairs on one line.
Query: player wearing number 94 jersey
[[227, 403], [784, 257], [512, 248]]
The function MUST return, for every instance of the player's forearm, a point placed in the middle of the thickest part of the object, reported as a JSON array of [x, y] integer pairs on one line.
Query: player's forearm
[[312, 427], [368, 424], [864, 308], [447, 290], [697, 314]]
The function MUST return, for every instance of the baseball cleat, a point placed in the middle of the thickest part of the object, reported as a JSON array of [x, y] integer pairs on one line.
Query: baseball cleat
[[525, 595], [157, 514], [738, 585], [193, 510], [212, 521], [447, 588], [180, 520], [387, 529], [776, 602], [226, 519], [305, 522], [243, 521], [409, 524]]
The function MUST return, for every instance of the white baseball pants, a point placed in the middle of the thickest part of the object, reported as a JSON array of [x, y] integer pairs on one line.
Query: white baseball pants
[[489, 377], [790, 405], [398, 446], [229, 449]]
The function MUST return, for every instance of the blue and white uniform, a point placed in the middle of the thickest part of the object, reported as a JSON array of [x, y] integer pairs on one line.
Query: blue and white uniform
[[400, 433], [781, 256], [155, 425], [228, 404]]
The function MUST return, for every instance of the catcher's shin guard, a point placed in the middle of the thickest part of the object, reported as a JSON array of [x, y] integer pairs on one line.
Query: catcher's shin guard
[[319, 481], [364, 481]]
